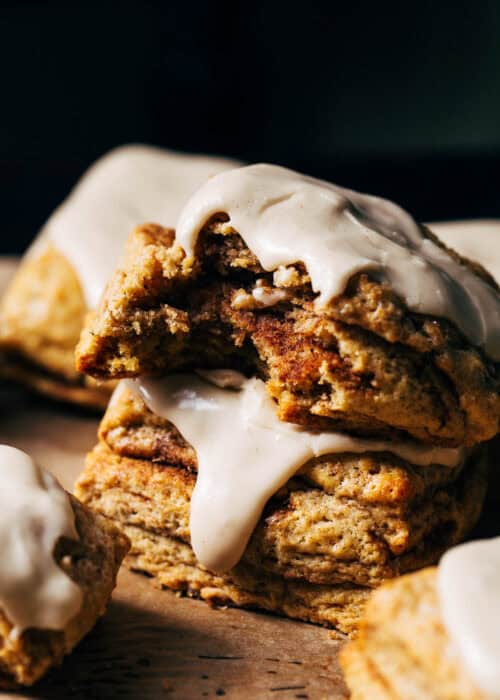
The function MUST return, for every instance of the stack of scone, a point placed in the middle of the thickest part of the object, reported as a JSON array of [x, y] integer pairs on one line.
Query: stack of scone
[[310, 376]]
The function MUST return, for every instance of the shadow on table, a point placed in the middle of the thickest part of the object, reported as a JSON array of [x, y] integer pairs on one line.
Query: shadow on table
[[131, 653]]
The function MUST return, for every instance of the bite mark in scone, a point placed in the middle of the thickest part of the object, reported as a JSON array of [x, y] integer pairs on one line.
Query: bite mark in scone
[[364, 363]]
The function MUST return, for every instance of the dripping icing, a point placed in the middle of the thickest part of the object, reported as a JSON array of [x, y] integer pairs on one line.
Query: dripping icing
[[246, 454], [285, 217]]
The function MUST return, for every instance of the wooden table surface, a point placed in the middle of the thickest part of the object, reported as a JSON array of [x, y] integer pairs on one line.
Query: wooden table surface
[[153, 644]]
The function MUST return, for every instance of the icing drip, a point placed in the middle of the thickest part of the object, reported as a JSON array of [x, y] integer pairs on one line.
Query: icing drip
[[127, 187], [245, 454], [469, 592], [285, 217], [35, 514]]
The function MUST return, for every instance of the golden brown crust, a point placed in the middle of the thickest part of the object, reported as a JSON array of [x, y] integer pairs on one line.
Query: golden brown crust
[[93, 564], [43, 312], [41, 317], [341, 519], [172, 564], [364, 364], [402, 649]]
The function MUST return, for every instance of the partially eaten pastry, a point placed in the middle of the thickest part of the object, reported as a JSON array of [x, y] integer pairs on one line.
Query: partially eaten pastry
[[310, 374], [64, 272], [432, 635], [364, 362], [59, 567]]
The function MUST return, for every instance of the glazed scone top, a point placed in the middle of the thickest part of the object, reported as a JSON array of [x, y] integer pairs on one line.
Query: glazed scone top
[[285, 217], [246, 454], [469, 593], [130, 185], [475, 239], [35, 512]]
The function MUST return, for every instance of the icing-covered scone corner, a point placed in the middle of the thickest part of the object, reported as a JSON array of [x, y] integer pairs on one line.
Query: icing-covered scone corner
[[60, 563]]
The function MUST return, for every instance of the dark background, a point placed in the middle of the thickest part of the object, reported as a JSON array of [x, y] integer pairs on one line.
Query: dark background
[[399, 99]]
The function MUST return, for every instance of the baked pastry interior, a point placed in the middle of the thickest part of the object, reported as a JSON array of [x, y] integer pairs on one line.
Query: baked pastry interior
[[364, 363]]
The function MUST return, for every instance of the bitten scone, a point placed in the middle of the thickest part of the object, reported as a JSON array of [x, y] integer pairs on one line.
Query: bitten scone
[[342, 524], [432, 635], [59, 567], [64, 272], [309, 374], [364, 363]]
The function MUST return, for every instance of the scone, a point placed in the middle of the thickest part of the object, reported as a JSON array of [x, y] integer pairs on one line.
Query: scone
[[59, 567], [341, 525], [478, 240], [310, 374], [475, 239], [362, 361], [432, 635], [64, 272]]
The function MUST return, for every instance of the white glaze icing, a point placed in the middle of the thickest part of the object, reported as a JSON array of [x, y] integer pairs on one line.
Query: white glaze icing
[[478, 240], [469, 594], [245, 454], [35, 512], [129, 186], [285, 217]]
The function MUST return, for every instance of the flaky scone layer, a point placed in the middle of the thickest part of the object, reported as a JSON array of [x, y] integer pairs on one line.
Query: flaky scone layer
[[93, 564], [43, 311], [306, 532], [353, 519], [365, 363], [345, 517], [172, 564], [305, 559], [41, 317], [402, 650], [116, 488]]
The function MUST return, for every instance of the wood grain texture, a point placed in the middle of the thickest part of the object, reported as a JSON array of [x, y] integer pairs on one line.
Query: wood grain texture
[[153, 644]]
